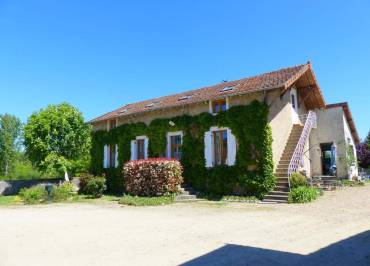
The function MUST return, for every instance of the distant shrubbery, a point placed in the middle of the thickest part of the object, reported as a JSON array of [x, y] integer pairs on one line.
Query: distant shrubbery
[[92, 185], [33, 195], [152, 177], [63, 192], [38, 194]]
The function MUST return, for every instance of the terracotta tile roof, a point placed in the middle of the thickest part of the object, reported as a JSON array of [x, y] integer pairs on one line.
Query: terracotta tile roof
[[282, 78], [348, 114]]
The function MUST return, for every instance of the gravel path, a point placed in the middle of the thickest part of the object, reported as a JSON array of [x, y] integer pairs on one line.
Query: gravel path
[[335, 230]]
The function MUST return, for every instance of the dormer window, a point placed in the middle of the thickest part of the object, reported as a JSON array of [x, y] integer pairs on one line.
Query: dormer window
[[112, 124], [219, 106]]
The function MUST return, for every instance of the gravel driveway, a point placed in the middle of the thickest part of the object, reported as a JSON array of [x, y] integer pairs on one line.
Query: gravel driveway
[[332, 231]]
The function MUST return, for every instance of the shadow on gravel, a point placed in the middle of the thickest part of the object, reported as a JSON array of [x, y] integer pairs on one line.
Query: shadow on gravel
[[351, 251]]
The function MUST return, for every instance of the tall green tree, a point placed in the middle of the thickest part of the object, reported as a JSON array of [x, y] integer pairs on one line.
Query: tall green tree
[[10, 135], [367, 141], [57, 138]]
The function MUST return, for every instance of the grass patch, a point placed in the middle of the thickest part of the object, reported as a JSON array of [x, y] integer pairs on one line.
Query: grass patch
[[146, 201], [8, 200], [351, 183], [240, 199]]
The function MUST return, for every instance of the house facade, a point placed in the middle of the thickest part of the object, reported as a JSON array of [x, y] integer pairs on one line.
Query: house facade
[[244, 130]]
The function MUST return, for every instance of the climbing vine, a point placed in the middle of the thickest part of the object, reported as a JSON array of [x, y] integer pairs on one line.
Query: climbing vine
[[252, 174]]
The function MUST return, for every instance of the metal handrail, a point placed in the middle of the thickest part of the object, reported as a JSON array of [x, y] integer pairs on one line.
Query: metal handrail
[[310, 122]]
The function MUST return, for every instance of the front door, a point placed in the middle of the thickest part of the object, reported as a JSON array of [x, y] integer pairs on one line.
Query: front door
[[294, 102], [327, 160]]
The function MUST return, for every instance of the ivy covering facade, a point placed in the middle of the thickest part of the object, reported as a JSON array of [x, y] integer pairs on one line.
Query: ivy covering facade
[[252, 175]]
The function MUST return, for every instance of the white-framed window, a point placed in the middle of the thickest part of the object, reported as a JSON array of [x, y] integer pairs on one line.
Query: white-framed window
[[110, 156], [174, 145], [111, 124], [139, 148], [220, 147], [219, 105]]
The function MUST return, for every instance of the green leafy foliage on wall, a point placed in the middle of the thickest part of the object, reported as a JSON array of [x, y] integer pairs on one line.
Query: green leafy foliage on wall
[[252, 174]]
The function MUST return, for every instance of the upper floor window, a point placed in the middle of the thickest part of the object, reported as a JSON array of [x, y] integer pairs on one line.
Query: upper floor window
[[219, 106], [112, 124]]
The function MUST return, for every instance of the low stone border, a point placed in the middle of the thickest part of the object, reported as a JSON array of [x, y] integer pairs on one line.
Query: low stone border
[[12, 187]]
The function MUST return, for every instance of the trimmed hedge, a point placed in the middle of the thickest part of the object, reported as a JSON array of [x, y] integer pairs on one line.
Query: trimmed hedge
[[152, 177], [252, 174]]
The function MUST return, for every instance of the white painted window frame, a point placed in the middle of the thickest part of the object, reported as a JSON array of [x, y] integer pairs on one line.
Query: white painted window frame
[[146, 145], [231, 146], [169, 135]]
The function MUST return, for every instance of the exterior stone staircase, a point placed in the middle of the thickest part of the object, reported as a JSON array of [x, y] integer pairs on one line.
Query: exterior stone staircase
[[187, 193], [280, 194]]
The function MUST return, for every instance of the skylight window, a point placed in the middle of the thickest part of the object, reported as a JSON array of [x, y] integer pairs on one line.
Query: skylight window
[[185, 97], [229, 88], [149, 105]]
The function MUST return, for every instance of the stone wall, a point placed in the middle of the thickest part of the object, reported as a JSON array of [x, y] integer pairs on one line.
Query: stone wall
[[12, 187]]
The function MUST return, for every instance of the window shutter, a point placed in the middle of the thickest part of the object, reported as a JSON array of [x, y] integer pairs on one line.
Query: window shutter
[[106, 151], [133, 150], [146, 144], [208, 149], [116, 162], [231, 148]]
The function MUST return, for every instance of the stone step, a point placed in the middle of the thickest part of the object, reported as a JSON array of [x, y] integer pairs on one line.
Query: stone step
[[283, 179], [272, 201], [282, 170], [277, 197], [281, 175], [282, 188], [279, 193]]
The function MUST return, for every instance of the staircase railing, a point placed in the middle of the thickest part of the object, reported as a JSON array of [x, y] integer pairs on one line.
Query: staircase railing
[[310, 122]]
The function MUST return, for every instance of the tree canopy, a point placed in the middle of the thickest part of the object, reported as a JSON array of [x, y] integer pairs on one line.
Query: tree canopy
[[57, 137], [10, 135]]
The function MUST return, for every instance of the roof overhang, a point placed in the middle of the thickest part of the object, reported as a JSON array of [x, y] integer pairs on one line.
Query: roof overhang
[[308, 87]]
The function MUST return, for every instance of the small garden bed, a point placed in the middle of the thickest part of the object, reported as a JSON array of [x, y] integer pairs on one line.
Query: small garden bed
[[146, 201]]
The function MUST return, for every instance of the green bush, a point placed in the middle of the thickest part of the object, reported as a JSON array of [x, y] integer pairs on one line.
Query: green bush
[[302, 195], [152, 177], [33, 195], [297, 180], [93, 186], [62, 192], [146, 201]]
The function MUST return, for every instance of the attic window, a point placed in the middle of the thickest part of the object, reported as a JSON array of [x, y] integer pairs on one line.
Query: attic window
[[123, 111], [185, 97]]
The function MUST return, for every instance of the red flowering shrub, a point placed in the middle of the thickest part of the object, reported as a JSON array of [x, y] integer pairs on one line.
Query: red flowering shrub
[[152, 177]]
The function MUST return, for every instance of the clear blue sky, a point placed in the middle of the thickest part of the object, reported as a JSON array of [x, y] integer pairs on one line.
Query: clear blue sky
[[99, 55]]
